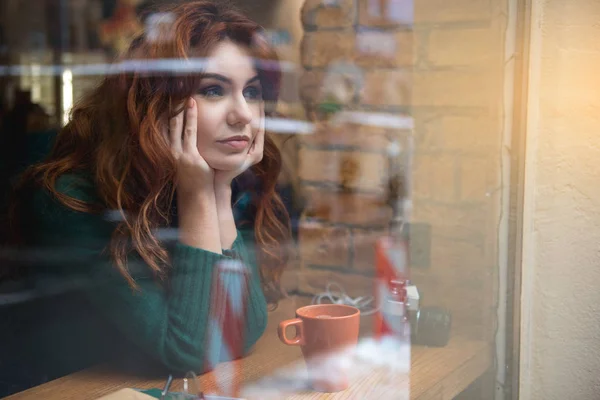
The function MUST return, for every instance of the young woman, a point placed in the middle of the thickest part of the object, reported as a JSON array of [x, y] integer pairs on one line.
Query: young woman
[[147, 150]]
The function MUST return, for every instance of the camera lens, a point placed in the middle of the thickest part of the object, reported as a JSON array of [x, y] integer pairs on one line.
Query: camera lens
[[430, 326]]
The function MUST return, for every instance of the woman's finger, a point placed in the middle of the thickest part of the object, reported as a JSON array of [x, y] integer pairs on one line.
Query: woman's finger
[[191, 126], [175, 126]]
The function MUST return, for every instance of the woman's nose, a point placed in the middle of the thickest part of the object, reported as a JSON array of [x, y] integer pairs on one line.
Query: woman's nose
[[240, 113]]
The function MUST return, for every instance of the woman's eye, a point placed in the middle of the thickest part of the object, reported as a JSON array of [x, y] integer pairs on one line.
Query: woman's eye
[[212, 91], [252, 93]]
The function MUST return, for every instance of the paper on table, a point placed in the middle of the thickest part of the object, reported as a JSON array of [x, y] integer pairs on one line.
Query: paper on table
[[127, 394]]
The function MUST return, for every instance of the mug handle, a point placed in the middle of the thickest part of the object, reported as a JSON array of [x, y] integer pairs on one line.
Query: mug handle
[[298, 340]]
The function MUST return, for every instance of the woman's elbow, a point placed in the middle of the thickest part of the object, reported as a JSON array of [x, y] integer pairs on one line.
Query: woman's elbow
[[182, 357]]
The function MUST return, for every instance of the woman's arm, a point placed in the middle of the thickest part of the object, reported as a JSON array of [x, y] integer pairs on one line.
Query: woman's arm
[[197, 207], [168, 321], [227, 228], [199, 224]]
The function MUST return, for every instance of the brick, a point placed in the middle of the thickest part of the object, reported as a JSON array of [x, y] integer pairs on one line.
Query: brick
[[357, 170], [384, 49], [319, 49], [475, 178], [427, 11], [434, 177], [455, 88], [464, 46], [367, 49], [370, 170], [318, 86], [366, 137], [315, 14], [366, 210], [466, 221], [443, 178], [310, 87], [318, 165], [472, 234], [324, 245], [420, 179], [387, 88], [465, 134], [363, 248], [454, 261], [385, 13]]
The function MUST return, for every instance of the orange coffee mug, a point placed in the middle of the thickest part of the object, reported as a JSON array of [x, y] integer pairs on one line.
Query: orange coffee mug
[[324, 332]]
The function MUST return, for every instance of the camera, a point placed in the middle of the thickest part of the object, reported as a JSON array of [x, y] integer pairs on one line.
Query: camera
[[429, 326]]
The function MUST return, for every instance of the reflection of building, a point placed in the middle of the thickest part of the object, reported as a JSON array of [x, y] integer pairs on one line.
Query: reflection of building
[[461, 76], [43, 34], [356, 87], [442, 64]]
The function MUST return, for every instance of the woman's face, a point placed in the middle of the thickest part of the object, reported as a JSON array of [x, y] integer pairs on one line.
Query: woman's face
[[230, 108]]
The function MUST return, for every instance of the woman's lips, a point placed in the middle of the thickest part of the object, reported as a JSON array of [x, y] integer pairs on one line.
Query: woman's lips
[[237, 143]]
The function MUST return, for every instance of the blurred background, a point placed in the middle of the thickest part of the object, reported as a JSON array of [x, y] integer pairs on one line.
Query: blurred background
[[483, 112]]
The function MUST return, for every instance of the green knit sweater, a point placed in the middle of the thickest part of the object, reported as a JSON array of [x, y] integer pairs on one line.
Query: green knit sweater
[[165, 323]]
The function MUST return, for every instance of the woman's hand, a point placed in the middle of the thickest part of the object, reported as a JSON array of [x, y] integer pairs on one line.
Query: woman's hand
[[197, 208], [194, 175], [222, 187], [254, 156]]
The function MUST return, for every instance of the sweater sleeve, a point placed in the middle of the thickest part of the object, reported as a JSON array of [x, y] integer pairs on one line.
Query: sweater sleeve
[[167, 321]]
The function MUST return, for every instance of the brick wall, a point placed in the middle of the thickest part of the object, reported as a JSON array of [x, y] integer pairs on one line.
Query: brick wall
[[457, 106], [446, 72]]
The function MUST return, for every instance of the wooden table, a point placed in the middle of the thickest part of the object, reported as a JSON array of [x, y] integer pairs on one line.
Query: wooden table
[[435, 373]]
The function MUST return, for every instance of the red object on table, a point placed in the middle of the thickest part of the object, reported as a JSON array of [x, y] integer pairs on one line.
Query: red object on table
[[227, 320], [391, 265]]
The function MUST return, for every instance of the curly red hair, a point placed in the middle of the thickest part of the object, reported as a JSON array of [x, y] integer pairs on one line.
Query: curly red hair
[[115, 133]]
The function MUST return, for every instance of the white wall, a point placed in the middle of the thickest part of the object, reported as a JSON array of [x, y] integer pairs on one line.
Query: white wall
[[560, 343]]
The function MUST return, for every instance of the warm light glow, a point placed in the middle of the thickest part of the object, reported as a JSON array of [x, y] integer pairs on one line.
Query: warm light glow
[[67, 94], [36, 85]]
